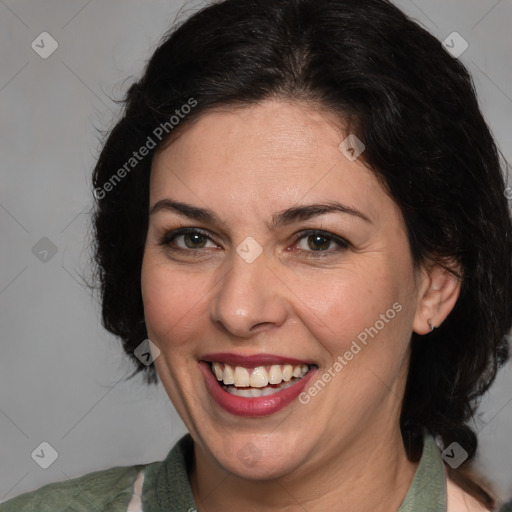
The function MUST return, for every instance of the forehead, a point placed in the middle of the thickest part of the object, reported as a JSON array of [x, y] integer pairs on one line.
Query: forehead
[[274, 153], [277, 130]]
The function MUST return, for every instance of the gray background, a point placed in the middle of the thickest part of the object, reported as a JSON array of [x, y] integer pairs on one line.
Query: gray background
[[61, 373]]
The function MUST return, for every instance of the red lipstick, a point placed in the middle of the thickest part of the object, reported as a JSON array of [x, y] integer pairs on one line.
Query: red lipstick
[[252, 407]]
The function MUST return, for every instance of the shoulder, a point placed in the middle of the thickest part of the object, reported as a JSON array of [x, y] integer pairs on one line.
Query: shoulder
[[110, 489], [461, 501]]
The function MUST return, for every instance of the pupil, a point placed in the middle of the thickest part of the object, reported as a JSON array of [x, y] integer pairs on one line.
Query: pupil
[[194, 238], [318, 238]]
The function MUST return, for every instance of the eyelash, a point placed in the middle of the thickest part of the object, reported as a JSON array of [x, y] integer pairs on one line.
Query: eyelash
[[170, 236]]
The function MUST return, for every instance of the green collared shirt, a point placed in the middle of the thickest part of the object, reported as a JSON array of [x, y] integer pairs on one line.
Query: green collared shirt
[[166, 487]]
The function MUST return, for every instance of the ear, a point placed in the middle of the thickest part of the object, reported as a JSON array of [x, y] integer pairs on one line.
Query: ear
[[438, 293]]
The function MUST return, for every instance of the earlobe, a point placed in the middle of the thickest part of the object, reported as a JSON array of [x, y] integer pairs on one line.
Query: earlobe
[[438, 294]]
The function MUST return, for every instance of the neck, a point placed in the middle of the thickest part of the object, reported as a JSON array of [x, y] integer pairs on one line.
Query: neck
[[371, 472]]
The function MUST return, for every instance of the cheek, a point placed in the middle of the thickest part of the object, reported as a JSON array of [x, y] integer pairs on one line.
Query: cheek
[[363, 305], [172, 301]]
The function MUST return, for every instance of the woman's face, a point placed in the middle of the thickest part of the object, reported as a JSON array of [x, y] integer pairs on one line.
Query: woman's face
[[271, 277]]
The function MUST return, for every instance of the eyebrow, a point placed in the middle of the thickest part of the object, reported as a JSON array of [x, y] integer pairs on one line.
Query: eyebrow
[[292, 214]]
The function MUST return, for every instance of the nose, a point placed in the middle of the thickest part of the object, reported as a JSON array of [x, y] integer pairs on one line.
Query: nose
[[249, 298]]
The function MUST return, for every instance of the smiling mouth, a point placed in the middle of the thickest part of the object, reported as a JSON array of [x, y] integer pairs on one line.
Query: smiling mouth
[[258, 381]]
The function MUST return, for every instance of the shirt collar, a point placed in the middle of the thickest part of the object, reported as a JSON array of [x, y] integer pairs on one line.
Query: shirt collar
[[167, 487], [427, 491]]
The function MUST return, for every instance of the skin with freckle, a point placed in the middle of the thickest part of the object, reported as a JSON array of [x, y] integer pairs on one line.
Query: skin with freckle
[[246, 164]]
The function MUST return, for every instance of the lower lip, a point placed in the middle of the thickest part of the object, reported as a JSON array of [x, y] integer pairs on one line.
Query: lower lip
[[261, 406]]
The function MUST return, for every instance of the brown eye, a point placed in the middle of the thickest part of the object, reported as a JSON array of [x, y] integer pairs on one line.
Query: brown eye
[[193, 240], [186, 239], [319, 242]]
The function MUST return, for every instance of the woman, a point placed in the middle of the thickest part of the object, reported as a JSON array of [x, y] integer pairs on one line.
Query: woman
[[296, 222]]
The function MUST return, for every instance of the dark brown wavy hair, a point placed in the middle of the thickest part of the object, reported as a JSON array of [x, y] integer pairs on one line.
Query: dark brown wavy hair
[[412, 104]]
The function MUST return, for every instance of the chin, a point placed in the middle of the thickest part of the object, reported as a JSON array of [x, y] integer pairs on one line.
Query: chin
[[259, 457]]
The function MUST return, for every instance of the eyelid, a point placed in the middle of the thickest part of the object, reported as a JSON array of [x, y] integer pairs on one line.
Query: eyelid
[[327, 234]]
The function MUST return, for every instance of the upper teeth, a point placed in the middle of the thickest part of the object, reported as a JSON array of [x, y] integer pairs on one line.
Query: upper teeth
[[257, 377]]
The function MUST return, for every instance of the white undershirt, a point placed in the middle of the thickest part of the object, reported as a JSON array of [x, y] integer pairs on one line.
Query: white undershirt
[[135, 504]]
